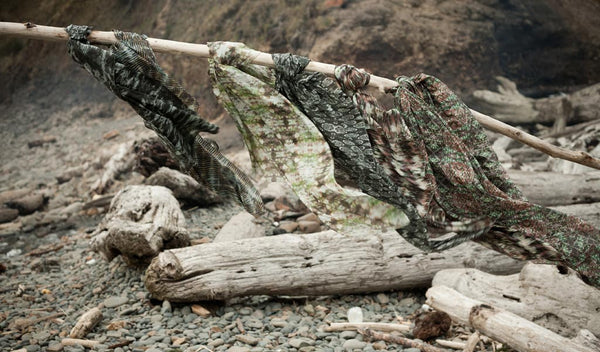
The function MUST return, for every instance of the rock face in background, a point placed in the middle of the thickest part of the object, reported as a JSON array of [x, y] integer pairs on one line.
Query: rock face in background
[[543, 45]]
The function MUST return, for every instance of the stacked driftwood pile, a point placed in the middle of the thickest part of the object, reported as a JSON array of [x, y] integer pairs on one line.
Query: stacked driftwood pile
[[534, 308]]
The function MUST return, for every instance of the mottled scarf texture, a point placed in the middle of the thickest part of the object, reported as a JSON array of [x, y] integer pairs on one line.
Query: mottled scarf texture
[[284, 142], [465, 177], [129, 69], [427, 161]]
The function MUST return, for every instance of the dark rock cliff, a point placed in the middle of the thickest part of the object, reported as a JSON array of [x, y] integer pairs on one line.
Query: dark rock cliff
[[544, 45]]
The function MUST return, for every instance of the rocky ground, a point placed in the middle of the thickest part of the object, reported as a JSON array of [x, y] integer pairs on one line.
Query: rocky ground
[[52, 162], [50, 277], [59, 131]]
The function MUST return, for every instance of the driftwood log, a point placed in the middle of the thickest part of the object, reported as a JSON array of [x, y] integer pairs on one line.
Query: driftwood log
[[509, 105], [501, 325], [587, 212], [560, 302], [322, 263], [552, 188], [141, 222]]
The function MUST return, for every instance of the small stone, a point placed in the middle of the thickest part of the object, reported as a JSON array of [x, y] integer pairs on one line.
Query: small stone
[[55, 347], [178, 341], [309, 309], [309, 226], [115, 301], [245, 311], [240, 226], [8, 214], [355, 315], [382, 298], [200, 311], [166, 307], [412, 349], [253, 323], [309, 217], [352, 344], [348, 334], [298, 343], [238, 349], [380, 345], [278, 323], [110, 134], [156, 318], [28, 204], [216, 343], [288, 226], [247, 339]]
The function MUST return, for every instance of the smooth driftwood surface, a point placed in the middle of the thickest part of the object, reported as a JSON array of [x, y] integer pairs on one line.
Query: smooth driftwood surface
[[322, 263], [553, 188], [587, 212], [501, 325], [141, 222], [509, 105], [540, 293]]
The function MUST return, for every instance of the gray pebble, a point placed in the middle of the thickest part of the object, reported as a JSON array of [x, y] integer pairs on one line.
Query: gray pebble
[[382, 298], [298, 342], [32, 348], [238, 349], [216, 343], [353, 344], [245, 311], [115, 301], [279, 323], [166, 307], [348, 334]]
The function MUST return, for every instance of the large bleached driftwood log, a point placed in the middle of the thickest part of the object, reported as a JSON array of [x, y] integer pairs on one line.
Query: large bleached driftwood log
[[553, 188], [501, 325], [560, 302], [509, 105], [588, 212], [141, 221], [322, 263]]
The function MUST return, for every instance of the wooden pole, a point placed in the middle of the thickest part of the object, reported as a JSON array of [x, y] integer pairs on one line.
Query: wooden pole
[[32, 31]]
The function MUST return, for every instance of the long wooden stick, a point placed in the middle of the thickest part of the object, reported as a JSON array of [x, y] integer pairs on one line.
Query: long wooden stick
[[32, 31]]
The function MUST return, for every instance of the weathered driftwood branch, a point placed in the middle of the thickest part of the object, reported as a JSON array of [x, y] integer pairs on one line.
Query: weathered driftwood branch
[[540, 293], [388, 327], [28, 30], [121, 162], [509, 105], [322, 263], [553, 188], [423, 346], [141, 222], [86, 323], [506, 327]]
